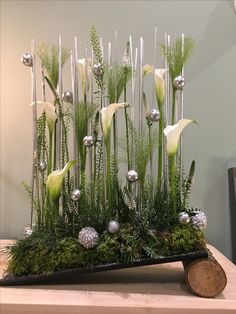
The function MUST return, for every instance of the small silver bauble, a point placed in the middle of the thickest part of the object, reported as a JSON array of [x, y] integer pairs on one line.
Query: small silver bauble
[[27, 231], [67, 97], [27, 59], [42, 165], [178, 82], [88, 140], [184, 218], [154, 115], [199, 221], [88, 237], [97, 69], [113, 226], [132, 176], [75, 195]]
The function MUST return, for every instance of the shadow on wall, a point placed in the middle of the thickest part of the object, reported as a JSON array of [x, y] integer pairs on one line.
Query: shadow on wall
[[215, 43], [217, 196]]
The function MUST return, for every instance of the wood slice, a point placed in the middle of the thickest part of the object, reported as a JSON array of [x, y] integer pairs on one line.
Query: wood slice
[[205, 277]]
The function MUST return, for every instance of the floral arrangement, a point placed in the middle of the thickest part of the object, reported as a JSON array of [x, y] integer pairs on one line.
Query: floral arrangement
[[102, 193]]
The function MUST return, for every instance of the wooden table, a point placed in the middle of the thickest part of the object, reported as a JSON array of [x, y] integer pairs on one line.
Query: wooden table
[[150, 289]]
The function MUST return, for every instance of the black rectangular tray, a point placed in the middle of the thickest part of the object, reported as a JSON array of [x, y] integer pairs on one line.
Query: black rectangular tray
[[68, 275]]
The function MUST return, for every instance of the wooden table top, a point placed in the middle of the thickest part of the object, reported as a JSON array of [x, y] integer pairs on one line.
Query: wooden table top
[[149, 289]]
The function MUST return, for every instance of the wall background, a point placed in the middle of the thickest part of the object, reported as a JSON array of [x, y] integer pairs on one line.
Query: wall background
[[210, 93]]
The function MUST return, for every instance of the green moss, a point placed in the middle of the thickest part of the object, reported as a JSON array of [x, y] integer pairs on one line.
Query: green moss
[[42, 253], [38, 254]]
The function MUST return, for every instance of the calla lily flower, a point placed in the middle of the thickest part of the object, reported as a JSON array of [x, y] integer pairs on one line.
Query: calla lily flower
[[172, 133], [55, 179], [51, 116], [81, 63], [160, 84], [107, 114], [147, 69]]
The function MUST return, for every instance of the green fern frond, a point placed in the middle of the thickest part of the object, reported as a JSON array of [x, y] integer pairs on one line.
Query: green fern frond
[[187, 186], [150, 252]]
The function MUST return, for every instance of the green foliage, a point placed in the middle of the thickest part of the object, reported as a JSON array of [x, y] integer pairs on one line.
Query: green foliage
[[188, 185], [33, 199], [177, 56], [116, 79], [47, 253], [42, 142], [83, 116], [143, 148], [48, 54], [176, 240], [96, 45], [42, 253], [98, 56]]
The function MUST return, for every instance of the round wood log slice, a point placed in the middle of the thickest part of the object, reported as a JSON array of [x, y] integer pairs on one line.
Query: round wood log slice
[[205, 277]]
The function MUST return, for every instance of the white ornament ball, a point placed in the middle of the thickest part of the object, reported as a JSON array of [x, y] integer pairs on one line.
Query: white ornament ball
[[42, 165], [88, 237], [199, 221], [154, 115], [27, 231], [27, 59], [67, 97], [184, 218], [75, 195], [178, 82], [113, 226], [132, 176], [97, 69], [88, 140]]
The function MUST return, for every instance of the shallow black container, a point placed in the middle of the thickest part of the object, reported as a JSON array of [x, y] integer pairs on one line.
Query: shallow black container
[[73, 275]]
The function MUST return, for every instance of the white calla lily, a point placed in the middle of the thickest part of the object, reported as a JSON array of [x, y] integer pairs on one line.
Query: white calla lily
[[160, 84], [51, 116], [172, 133], [55, 179], [107, 114], [81, 64]]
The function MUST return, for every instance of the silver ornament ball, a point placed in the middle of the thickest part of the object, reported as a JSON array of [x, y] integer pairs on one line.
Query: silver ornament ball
[[113, 226], [42, 165], [184, 218], [75, 195], [27, 231], [88, 237], [132, 176], [27, 59], [178, 82], [97, 69], [154, 115], [88, 140], [67, 97], [199, 221]]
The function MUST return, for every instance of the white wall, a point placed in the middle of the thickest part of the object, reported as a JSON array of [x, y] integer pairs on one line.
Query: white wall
[[209, 93]]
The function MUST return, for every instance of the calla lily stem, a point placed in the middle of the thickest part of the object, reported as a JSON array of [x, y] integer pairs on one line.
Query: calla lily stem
[[172, 182], [160, 147], [50, 152], [173, 106]]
